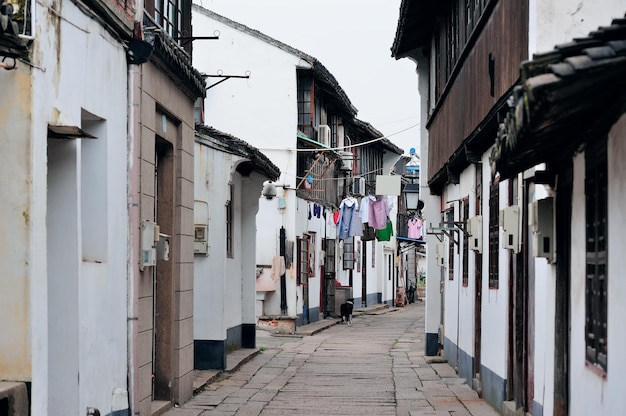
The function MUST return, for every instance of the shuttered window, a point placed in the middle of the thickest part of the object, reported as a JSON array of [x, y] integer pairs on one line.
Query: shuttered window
[[596, 234]]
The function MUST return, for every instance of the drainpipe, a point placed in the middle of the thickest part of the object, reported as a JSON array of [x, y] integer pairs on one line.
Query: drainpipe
[[283, 277]]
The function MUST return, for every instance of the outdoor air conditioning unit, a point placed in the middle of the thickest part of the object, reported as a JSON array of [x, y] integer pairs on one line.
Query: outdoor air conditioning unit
[[440, 254], [323, 134], [358, 185], [347, 159], [201, 239], [541, 219], [509, 219], [475, 231]]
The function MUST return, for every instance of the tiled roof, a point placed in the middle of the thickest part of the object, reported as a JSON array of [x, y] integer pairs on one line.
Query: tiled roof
[[415, 25], [564, 94], [320, 71], [175, 61], [232, 144], [368, 129]]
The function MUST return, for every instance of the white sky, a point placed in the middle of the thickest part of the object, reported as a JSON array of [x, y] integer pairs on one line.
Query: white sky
[[352, 39]]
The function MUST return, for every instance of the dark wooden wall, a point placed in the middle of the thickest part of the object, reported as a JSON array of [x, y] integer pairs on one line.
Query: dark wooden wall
[[468, 98]]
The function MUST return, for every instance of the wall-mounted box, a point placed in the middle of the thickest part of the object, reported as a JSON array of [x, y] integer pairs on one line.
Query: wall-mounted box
[[201, 239], [510, 218], [149, 238], [541, 220], [474, 228], [441, 254]]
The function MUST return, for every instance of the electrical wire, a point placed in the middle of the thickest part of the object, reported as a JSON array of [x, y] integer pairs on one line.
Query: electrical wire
[[343, 147]]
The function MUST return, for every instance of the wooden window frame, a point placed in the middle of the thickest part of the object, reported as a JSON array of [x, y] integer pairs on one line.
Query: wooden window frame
[[449, 219], [229, 223], [303, 260], [348, 259], [596, 276], [494, 234], [465, 211]]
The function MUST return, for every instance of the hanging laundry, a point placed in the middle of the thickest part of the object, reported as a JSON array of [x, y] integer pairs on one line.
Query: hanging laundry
[[378, 213], [365, 208], [317, 209], [415, 226], [386, 233], [369, 233], [349, 222]]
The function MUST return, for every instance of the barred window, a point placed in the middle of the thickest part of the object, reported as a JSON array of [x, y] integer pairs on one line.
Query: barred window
[[494, 234], [348, 254], [596, 235], [465, 205], [229, 224]]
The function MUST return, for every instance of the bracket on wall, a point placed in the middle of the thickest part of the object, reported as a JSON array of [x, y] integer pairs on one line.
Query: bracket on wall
[[187, 39], [448, 229], [224, 77]]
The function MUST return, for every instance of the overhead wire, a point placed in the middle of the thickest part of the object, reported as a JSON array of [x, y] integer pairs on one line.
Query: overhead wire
[[344, 147]]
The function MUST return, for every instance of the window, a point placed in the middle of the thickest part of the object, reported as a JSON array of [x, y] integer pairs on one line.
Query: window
[[494, 234], [168, 15], [334, 125], [305, 125], [303, 260], [229, 224], [348, 254], [596, 235], [449, 222], [465, 205]]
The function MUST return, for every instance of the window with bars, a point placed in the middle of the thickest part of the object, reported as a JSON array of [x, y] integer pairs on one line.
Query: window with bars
[[494, 234], [596, 235], [229, 224], [449, 219], [333, 122], [348, 254], [303, 260], [305, 120], [465, 205]]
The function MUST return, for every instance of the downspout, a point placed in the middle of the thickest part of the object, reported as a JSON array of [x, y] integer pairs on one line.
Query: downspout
[[283, 277], [134, 145]]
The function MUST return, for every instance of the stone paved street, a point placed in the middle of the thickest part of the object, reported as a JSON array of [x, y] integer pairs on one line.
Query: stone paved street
[[374, 367]]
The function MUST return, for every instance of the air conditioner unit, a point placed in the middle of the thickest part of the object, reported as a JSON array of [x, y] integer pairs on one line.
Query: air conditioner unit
[[475, 230], [323, 134], [201, 239], [510, 225], [541, 219], [440, 254], [347, 159], [358, 186]]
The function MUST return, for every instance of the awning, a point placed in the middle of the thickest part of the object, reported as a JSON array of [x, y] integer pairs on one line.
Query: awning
[[67, 132]]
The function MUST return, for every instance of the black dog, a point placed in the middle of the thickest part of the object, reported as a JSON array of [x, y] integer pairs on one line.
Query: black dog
[[346, 311]]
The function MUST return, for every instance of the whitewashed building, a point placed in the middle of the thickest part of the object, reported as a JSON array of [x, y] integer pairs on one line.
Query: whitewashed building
[[287, 104], [63, 286], [524, 311], [229, 176]]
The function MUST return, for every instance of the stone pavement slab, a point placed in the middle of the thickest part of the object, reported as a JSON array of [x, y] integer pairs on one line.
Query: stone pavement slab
[[374, 367]]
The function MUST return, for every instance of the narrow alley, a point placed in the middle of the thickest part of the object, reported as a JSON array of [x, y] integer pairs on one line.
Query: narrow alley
[[374, 367]]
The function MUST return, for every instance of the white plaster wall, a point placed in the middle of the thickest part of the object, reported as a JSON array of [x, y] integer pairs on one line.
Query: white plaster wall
[[95, 81], [267, 127], [494, 332], [543, 337], [589, 392], [16, 218], [432, 209], [212, 175], [553, 22]]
